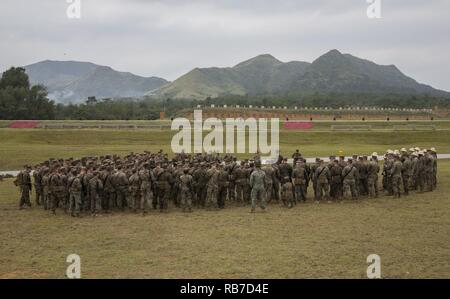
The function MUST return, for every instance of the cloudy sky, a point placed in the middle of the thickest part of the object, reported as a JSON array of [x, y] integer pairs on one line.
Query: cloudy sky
[[168, 38]]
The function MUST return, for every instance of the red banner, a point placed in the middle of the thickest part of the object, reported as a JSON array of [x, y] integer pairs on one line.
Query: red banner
[[298, 125], [24, 124]]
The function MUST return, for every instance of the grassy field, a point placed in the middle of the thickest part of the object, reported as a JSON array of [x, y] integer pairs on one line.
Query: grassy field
[[29, 146], [411, 235]]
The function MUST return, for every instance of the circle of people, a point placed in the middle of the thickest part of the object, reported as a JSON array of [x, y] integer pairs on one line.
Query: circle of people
[[102, 184]]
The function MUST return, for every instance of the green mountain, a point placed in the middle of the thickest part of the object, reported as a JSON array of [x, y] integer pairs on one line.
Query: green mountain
[[74, 81], [264, 74], [259, 75]]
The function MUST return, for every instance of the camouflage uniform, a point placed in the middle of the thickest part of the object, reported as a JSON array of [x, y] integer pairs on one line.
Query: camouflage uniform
[[287, 194], [121, 187], [75, 195], [37, 175], [23, 180], [95, 189], [231, 180], [406, 173], [270, 173], [396, 177], [387, 179], [46, 191], [163, 182], [372, 177], [323, 178], [186, 188], [57, 190], [257, 183], [428, 171], [212, 188], [350, 177], [299, 177], [146, 178], [336, 181], [200, 181], [134, 184], [223, 187], [240, 177]]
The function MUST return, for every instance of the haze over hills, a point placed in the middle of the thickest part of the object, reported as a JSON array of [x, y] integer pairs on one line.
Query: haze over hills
[[73, 81], [264, 74]]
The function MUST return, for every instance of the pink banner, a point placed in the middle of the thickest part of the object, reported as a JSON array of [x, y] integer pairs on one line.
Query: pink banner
[[298, 125], [24, 124]]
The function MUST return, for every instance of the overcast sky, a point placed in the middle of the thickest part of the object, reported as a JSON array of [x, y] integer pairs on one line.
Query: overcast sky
[[169, 38]]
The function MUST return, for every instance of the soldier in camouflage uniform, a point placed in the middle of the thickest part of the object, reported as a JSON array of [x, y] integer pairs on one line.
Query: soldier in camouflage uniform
[[296, 156], [163, 181], [212, 187], [372, 175], [74, 194], [387, 180], [65, 193], [314, 178], [146, 178], [45, 188], [406, 171], [95, 189], [230, 167], [428, 170], [396, 177], [57, 188], [222, 186], [85, 181], [336, 180], [37, 176], [240, 177], [109, 192], [177, 173], [350, 177], [420, 170], [121, 187], [270, 173], [200, 181], [276, 182], [323, 178], [23, 181], [433, 155], [286, 179], [257, 183], [299, 177], [186, 189], [134, 183]]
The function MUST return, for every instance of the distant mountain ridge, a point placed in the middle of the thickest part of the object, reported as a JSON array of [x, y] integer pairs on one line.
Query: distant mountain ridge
[[264, 74], [259, 75], [73, 81]]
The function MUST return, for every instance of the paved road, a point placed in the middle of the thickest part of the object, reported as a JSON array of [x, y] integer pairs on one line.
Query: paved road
[[309, 160]]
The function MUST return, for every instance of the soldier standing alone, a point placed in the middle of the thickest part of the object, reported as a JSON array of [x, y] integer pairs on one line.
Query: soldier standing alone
[[257, 183]]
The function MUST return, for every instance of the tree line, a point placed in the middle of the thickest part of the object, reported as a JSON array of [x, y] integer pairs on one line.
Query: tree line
[[20, 100]]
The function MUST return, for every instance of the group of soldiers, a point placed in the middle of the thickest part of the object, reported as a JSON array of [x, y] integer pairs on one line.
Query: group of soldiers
[[137, 181]]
